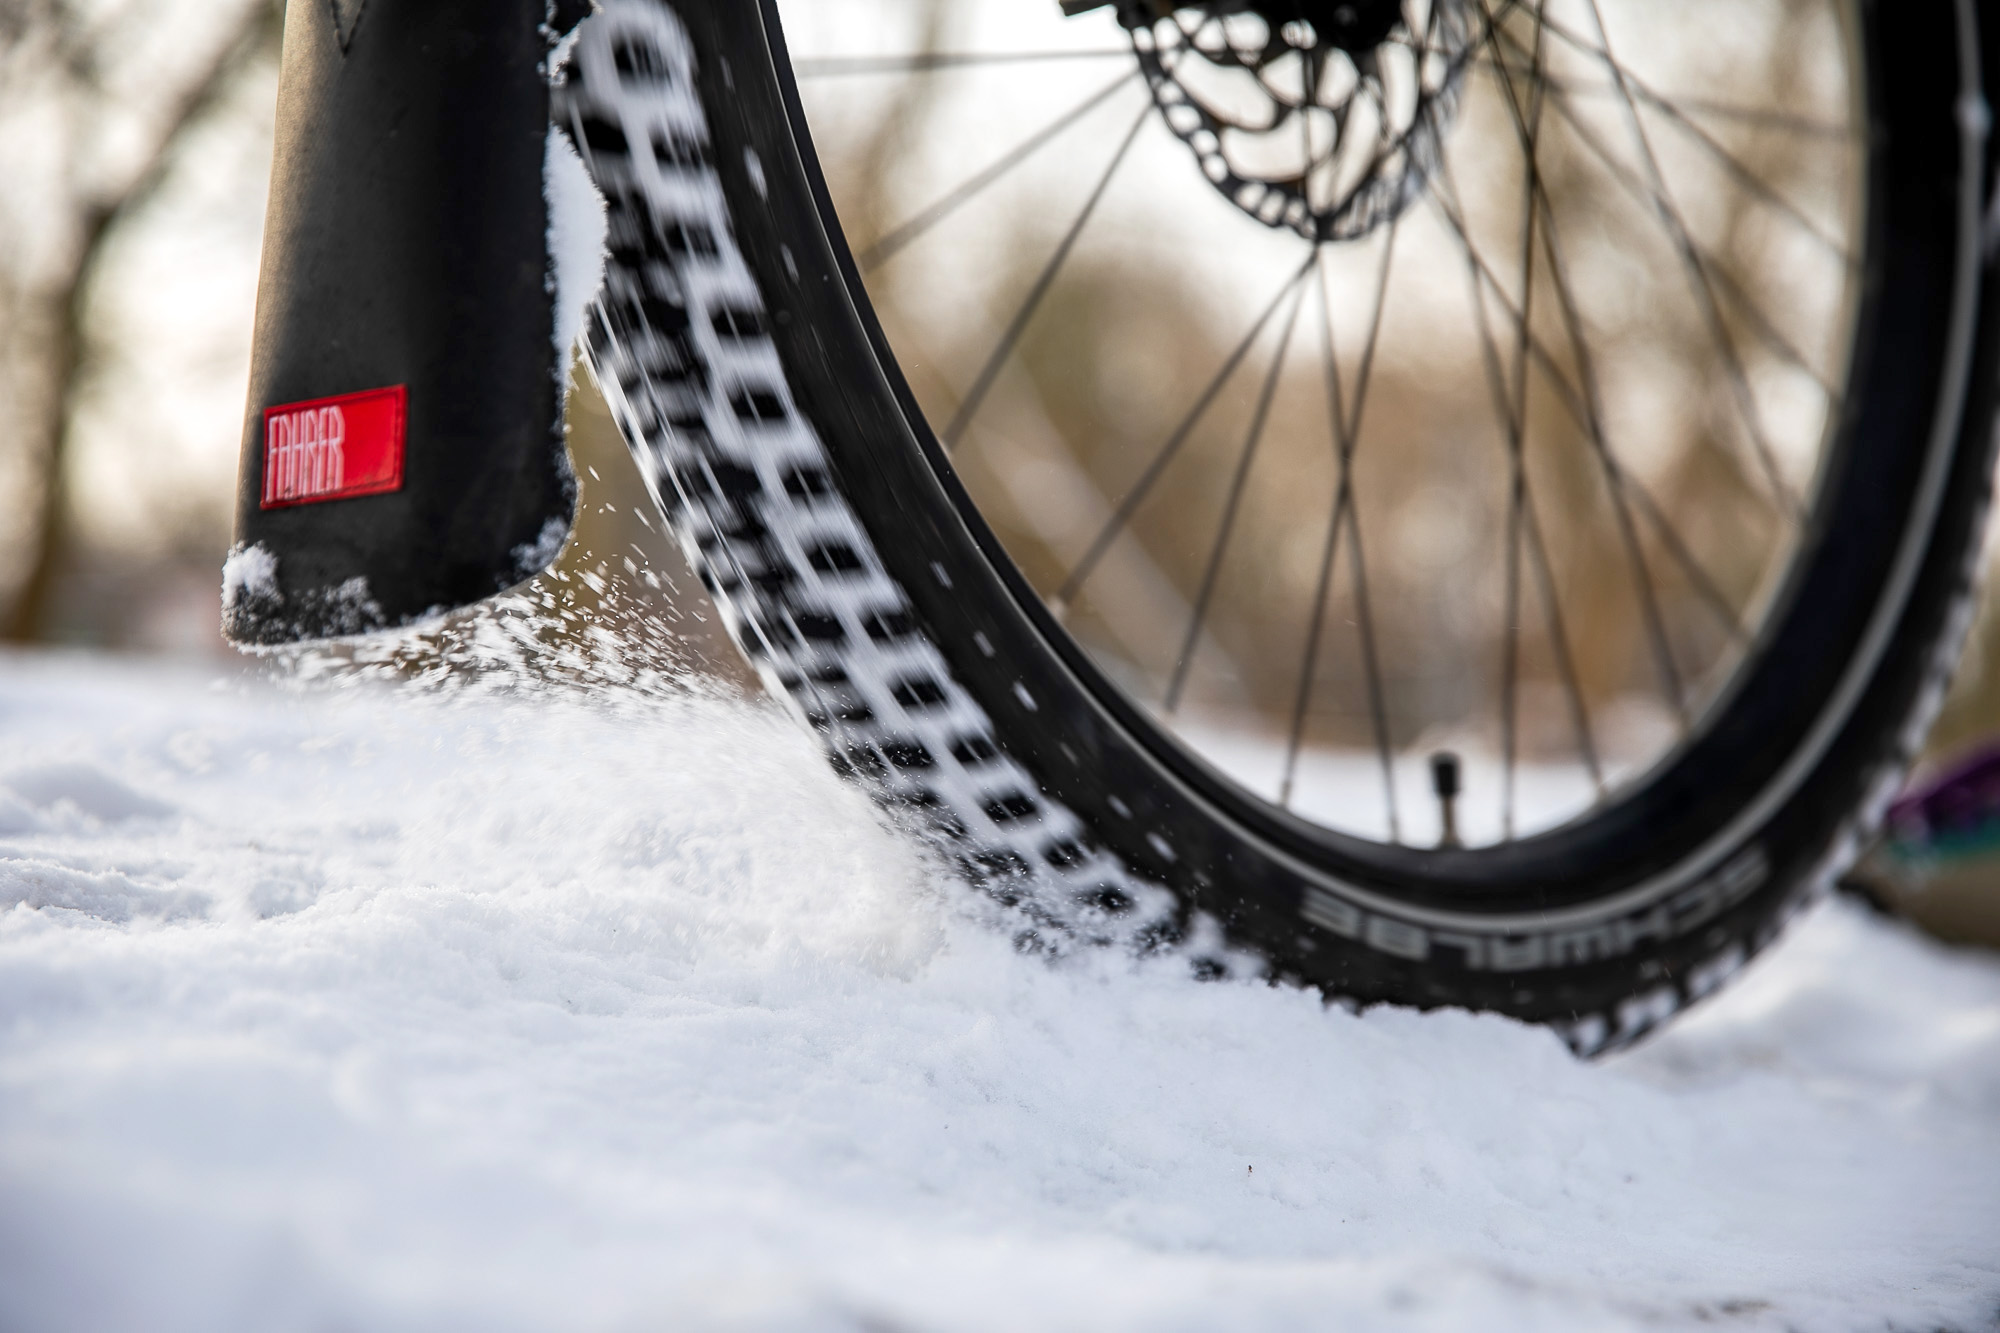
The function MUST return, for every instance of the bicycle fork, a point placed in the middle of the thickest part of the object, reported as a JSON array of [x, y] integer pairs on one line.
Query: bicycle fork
[[403, 449]]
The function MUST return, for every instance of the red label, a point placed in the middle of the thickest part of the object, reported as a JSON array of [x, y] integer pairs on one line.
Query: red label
[[334, 448]]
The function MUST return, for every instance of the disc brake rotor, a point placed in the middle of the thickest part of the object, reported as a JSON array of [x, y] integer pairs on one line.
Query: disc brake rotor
[[1323, 116]]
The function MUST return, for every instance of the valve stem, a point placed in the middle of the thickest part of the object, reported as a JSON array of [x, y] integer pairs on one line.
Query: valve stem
[[1444, 781]]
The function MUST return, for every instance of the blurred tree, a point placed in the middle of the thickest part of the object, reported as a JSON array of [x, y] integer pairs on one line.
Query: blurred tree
[[112, 91]]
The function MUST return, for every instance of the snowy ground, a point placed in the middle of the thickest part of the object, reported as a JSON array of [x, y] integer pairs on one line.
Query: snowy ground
[[349, 1010]]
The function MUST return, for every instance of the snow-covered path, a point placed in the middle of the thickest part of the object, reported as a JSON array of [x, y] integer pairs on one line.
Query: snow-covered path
[[350, 1010]]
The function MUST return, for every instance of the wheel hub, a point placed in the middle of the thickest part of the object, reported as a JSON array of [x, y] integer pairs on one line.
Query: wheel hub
[[1323, 116], [1349, 25]]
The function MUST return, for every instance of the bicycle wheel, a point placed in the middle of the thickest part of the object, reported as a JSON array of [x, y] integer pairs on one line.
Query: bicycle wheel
[[1477, 498]]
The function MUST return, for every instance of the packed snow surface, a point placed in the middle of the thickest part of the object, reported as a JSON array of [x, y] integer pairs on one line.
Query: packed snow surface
[[359, 1008]]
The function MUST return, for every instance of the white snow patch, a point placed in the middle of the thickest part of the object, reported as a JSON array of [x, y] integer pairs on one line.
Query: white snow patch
[[558, 57], [532, 1013], [531, 558], [576, 239], [249, 571], [352, 608], [80, 789]]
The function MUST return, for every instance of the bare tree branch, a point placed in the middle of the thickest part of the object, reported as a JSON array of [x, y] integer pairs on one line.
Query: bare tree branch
[[68, 354]]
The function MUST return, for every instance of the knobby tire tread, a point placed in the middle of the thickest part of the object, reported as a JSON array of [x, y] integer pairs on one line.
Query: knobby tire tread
[[765, 413]]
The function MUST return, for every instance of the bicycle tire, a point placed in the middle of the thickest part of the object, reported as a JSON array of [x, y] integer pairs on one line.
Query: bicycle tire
[[736, 345]]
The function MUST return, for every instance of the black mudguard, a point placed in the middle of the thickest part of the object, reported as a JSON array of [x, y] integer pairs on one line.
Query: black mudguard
[[403, 453]]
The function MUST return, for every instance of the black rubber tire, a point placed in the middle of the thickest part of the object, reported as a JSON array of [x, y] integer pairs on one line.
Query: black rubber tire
[[737, 347]]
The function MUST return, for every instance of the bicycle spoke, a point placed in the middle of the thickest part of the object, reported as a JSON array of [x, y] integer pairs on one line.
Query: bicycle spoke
[[900, 237], [1510, 662], [1511, 421], [1670, 217], [1531, 191], [1524, 533], [1571, 399], [1365, 371], [1518, 429], [1371, 664], [1760, 117], [1166, 453], [1698, 578], [1363, 377], [1558, 634], [1761, 323], [1015, 327], [1346, 436], [1231, 507], [1631, 90], [1517, 489], [1564, 292], [1642, 578], [1766, 330], [1316, 626], [1295, 737], [1681, 107], [824, 67], [1309, 667]]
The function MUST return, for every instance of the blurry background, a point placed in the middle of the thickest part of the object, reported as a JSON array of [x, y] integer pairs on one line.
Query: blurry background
[[135, 145], [135, 148]]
